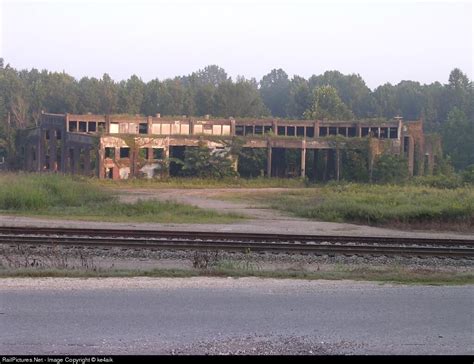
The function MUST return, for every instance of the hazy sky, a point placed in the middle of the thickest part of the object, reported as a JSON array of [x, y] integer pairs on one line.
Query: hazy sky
[[381, 41]]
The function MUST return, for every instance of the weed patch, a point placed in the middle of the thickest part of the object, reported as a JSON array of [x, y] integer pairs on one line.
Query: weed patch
[[79, 198]]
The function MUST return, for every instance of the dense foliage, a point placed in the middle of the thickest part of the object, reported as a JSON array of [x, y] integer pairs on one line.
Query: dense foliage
[[447, 109], [203, 162]]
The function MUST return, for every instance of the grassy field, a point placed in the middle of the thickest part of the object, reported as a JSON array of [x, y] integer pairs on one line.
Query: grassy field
[[392, 205], [423, 203], [81, 199], [205, 183]]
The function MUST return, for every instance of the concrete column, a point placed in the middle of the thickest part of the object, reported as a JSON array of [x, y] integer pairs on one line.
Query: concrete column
[[275, 127], [166, 148], [67, 161], [107, 124], [100, 162], [52, 151], [359, 130], [150, 154], [149, 124], [76, 159], [315, 164], [27, 160], [411, 156], [303, 159], [134, 161], [338, 164], [232, 127], [316, 129], [87, 161], [331, 162], [66, 120], [269, 160], [235, 163], [325, 164], [63, 151], [166, 155], [42, 150]]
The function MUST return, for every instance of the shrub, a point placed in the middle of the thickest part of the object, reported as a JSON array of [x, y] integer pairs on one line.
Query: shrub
[[390, 169], [439, 181], [468, 174], [201, 162]]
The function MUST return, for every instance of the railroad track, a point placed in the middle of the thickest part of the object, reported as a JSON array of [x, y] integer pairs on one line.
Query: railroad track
[[239, 242]]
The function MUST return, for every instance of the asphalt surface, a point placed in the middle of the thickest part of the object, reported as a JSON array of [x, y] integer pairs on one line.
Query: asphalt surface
[[233, 316]]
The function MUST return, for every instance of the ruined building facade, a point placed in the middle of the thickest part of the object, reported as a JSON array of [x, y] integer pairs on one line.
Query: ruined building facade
[[124, 146]]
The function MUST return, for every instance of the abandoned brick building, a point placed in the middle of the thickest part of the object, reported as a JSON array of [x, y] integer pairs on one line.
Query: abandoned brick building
[[124, 146]]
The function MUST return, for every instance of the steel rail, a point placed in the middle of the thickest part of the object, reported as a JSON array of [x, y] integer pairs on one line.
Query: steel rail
[[276, 247], [231, 236]]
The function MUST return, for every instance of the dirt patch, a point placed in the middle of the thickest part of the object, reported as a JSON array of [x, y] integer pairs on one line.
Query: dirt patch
[[207, 199]]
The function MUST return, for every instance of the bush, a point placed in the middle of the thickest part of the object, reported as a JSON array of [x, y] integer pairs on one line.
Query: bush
[[390, 169], [468, 174], [355, 166], [252, 162], [203, 163], [439, 181]]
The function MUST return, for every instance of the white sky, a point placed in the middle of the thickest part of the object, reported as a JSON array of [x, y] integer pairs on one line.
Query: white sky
[[381, 41]]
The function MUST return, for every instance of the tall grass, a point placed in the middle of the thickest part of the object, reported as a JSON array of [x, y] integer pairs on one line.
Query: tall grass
[[194, 182], [76, 197], [23, 192], [375, 204]]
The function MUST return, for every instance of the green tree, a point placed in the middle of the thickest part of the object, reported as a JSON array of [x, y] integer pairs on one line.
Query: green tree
[[152, 97], [204, 99], [352, 90], [239, 99], [458, 138], [89, 95], [172, 97], [327, 105], [299, 97], [275, 91], [212, 75], [131, 93], [108, 95], [406, 99], [459, 91]]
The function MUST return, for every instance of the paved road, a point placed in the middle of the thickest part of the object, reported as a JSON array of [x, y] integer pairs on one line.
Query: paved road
[[219, 315]]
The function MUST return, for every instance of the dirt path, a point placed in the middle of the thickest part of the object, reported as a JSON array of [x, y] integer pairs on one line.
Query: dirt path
[[207, 199]]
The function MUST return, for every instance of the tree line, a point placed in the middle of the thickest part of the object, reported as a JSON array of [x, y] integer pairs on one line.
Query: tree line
[[445, 108]]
